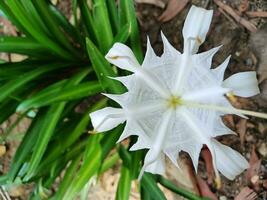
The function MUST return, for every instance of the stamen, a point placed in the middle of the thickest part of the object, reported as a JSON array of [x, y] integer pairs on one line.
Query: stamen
[[113, 57], [231, 96], [174, 101]]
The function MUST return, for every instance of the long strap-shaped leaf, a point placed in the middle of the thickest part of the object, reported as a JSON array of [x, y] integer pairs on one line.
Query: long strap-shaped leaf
[[15, 84], [25, 21], [23, 45], [48, 17]]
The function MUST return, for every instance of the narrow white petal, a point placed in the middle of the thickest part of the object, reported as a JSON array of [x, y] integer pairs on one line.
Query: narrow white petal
[[196, 26], [205, 59], [172, 154], [205, 94], [228, 161], [169, 52], [123, 57], [151, 59], [244, 84], [127, 81], [107, 118], [220, 70], [156, 167], [121, 99], [143, 142]]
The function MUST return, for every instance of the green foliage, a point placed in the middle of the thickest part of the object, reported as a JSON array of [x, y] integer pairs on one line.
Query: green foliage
[[64, 68]]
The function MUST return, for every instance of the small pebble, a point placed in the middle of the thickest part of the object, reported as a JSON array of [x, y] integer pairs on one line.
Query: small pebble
[[255, 179], [263, 149], [223, 198], [2, 150]]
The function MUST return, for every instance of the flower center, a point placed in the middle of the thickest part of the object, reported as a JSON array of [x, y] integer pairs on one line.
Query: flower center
[[174, 101]]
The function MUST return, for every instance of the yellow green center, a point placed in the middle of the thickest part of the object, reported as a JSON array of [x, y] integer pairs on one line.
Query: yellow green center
[[174, 101]]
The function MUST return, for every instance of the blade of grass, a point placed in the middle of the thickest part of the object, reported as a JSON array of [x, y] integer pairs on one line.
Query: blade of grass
[[47, 16], [21, 16], [91, 163], [124, 186], [69, 175], [13, 85], [102, 68], [123, 34], [102, 25], [22, 45], [6, 9], [46, 131], [127, 15], [34, 16], [26, 145], [67, 94], [169, 185], [150, 184], [88, 20], [113, 15]]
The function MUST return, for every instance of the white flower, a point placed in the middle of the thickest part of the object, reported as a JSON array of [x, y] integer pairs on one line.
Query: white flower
[[175, 102]]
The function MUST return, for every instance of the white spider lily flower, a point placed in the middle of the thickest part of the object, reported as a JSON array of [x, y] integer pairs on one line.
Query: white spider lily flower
[[175, 102]]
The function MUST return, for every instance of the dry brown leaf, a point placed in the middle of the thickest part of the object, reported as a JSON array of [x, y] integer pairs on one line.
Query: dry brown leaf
[[254, 169], [174, 7], [158, 3], [206, 155], [241, 129], [243, 6], [246, 194], [204, 189], [247, 24]]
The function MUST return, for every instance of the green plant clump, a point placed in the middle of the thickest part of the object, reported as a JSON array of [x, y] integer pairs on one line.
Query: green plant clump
[[64, 69]]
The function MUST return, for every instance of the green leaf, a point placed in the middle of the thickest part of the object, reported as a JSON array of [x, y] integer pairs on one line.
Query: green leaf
[[127, 15], [149, 183], [47, 129], [102, 68], [48, 17], [102, 25], [113, 15], [15, 84], [123, 34], [69, 175], [124, 186], [26, 22], [26, 145], [168, 184], [91, 164], [56, 95], [22, 45]]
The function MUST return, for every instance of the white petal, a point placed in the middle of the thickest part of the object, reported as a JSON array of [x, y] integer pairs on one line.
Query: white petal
[[243, 84], [228, 161], [127, 81], [122, 99], [205, 94], [172, 154], [196, 26], [156, 167], [123, 57], [205, 59], [169, 53], [142, 143], [107, 118], [219, 71], [151, 59]]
